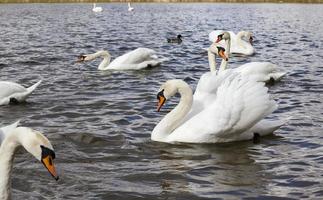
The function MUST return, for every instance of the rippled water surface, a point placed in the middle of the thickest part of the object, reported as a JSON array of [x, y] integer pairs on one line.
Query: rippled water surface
[[100, 122]]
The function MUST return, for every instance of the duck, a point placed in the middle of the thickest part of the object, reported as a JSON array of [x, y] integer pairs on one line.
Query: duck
[[96, 9], [232, 109], [34, 142], [262, 71], [137, 59], [130, 8], [178, 39], [241, 43], [14, 93]]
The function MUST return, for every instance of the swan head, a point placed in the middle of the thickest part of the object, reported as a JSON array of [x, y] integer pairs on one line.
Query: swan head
[[166, 91], [223, 36], [38, 146]]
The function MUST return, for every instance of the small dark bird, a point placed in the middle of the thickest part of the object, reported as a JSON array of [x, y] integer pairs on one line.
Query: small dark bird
[[178, 39]]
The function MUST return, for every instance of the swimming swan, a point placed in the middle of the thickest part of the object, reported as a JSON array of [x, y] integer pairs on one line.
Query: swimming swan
[[96, 9], [11, 137], [14, 93], [241, 43], [130, 8], [261, 71], [232, 110], [134, 60]]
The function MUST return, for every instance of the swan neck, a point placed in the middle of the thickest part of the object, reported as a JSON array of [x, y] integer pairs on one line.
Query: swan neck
[[211, 57], [106, 59], [7, 151], [174, 118], [224, 63]]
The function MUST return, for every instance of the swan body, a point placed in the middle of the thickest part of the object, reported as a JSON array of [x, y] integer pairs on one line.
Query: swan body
[[11, 92], [130, 8], [260, 71], [238, 44], [231, 110], [11, 137], [96, 9], [178, 39], [137, 59]]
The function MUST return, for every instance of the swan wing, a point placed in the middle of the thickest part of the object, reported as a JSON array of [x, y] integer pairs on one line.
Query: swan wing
[[136, 59], [261, 71], [240, 103]]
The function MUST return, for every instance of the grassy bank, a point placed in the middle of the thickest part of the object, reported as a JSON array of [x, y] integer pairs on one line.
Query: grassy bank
[[161, 1]]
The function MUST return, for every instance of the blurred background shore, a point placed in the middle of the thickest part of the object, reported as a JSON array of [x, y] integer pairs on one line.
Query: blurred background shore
[[161, 1]]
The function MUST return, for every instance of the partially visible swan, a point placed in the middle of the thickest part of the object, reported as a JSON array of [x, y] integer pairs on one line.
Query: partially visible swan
[[11, 137], [129, 7], [178, 39], [96, 9], [234, 110], [134, 60], [261, 71], [241, 43], [14, 93]]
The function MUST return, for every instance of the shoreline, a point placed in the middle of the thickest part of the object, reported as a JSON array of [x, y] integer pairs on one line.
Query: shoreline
[[163, 1]]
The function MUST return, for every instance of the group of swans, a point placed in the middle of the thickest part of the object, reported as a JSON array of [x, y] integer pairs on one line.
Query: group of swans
[[137, 59], [228, 105], [240, 43], [11, 137], [100, 9], [261, 71]]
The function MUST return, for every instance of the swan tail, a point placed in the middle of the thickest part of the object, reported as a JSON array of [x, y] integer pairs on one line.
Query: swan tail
[[8, 129], [278, 75], [266, 126], [33, 87]]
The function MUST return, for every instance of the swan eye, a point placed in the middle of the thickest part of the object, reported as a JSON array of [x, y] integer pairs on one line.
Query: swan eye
[[160, 94]]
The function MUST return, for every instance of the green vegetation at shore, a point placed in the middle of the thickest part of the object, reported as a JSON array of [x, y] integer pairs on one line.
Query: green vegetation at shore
[[161, 1]]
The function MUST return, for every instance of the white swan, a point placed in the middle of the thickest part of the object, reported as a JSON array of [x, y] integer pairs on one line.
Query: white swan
[[233, 110], [14, 93], [241, 43], [261, 71], [96, 9], [130, 8], [134, 60], [11, 137]]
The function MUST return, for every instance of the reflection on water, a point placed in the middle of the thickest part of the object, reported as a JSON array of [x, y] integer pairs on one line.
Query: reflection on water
[[100, 122]]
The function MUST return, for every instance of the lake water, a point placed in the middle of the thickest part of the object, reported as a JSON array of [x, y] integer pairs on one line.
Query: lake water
[[100, 122]]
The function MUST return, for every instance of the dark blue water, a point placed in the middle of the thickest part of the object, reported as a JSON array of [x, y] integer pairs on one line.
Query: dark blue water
[[100, 122]]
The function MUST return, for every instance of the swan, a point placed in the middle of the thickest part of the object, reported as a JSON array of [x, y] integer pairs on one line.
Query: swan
[[261, 71], [96, 9], [11, 137], [11, 92], [178, 39], [232, 111], [134, 60], [130, 8], [238, 44]]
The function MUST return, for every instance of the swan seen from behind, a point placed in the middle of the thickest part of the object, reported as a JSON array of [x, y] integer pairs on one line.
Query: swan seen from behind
[[233, 110], [137, 59], [11, 137], [11, 92]]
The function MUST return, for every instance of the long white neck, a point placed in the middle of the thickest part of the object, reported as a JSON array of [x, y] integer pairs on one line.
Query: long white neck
[[211, 56], [173, 119], [224, 63], [7, 151], [106, 59], [94, 5], [129, 6], [239, 39]]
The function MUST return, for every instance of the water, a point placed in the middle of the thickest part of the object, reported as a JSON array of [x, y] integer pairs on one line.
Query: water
[[100, 122]]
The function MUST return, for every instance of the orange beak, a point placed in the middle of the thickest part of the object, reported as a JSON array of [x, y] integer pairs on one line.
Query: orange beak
[[161, 101], [49, 164], [223, 56]]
